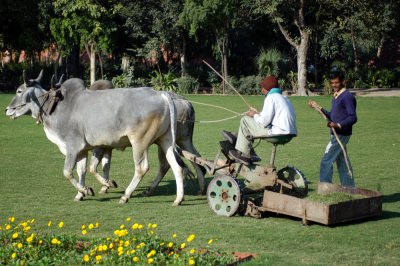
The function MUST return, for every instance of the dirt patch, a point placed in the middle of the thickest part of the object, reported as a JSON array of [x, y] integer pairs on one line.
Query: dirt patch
[[377, 92]]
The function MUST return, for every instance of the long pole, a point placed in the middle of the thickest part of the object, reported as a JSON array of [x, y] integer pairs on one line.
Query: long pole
[[338, 140], [227, 83]]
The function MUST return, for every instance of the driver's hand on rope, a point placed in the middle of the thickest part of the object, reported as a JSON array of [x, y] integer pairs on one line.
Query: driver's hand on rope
[[251, 112], [314, 104]]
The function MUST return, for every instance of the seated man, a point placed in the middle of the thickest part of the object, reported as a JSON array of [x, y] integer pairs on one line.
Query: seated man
[[276, 118]]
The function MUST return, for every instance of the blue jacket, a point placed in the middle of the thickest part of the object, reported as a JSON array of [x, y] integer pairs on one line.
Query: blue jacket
[[343, 111]]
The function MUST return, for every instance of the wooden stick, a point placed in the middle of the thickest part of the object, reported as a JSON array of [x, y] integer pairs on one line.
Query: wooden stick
[[338, 140], [227, 83]]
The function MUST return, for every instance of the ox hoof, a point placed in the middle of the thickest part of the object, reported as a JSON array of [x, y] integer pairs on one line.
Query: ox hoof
[[103, 190], [78, 198], [89, 191], [148, 193], [123, 200], [177, 202], [113, 184]]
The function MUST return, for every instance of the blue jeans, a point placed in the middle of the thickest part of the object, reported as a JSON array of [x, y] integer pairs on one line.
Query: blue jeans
[[334, 153]]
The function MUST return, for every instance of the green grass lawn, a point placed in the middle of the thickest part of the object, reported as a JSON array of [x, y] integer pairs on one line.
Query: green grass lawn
[[33, 186]]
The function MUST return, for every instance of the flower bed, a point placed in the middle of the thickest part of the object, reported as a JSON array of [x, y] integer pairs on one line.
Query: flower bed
[[130, 243]]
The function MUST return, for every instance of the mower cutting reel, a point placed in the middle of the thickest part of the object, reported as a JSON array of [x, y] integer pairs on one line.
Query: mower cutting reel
[[223, 195]]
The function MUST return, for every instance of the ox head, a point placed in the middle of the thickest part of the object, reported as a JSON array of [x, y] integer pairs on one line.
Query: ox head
[[25, 102]]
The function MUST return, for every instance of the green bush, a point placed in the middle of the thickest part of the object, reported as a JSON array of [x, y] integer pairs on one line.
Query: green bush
[[166, 82], [249, 85], [187, 84]]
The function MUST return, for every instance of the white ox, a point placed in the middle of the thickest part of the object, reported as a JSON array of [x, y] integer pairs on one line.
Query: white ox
[[78, 120], [184, 139]]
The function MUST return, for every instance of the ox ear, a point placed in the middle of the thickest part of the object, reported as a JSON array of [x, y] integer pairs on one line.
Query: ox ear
[[39, 78]]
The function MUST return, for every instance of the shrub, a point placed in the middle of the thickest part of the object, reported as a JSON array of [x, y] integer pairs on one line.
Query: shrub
[[249, 85], [162, 81], [187, 84]]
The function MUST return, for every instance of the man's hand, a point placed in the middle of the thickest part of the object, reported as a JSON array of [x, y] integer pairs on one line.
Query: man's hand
[[334, 125], [314, 104], [251, 112]]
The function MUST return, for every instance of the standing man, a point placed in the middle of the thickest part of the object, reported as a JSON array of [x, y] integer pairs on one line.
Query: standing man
[[342, 117], [276, 118]]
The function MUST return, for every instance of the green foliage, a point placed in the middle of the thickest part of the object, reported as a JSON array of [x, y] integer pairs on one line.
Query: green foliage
[[187, 84], [165, 82], [249, 85], [268, 62], [21, 244]]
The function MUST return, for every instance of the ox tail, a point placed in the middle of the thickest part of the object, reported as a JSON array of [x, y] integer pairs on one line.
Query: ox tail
[[187, 173]]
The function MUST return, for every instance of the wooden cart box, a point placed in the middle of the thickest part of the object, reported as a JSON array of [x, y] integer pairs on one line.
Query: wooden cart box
[[368, 206]]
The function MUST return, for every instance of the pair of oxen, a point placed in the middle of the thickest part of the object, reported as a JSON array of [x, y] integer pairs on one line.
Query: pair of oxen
[[78, 120]]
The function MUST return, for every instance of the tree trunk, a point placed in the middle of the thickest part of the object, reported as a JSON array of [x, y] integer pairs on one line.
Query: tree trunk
[[92, 55], [183, 58], [302, 50]]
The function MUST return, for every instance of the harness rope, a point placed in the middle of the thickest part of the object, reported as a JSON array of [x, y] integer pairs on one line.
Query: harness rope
[[218, 120]]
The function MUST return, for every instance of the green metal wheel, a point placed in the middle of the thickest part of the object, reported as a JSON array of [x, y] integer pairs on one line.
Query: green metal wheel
[[223, 195]]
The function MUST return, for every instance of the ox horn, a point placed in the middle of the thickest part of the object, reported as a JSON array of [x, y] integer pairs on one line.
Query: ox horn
[[39, 78], [60, 81], [52, 82], [25, 77]]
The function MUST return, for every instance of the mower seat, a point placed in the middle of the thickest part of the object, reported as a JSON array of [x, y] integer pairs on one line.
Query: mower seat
[[276, 139]]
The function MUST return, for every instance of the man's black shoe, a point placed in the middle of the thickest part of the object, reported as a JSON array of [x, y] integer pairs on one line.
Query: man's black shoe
[[240, 157], [229, 136], [253, 155]]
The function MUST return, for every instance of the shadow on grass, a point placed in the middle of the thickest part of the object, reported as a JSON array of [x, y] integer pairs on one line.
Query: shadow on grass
[[395, 197]]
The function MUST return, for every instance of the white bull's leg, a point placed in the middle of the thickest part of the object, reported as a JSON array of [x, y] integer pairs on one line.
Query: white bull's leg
[[140, 158], [69, 165], [105, 156], [178, 173], [163, 169], [81, 171]]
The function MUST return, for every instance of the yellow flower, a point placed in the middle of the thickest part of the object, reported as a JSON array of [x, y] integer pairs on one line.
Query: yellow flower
[[98, 258], [151, 232], [149, 226], [105, 247], [192, 251], [84, 232], [210, 241], [40, 241], [174, 235], [192, 262], [111, 246], [49, 224], [135, 259], [11, 219], [32, 221], [61, 224], [8, 227], [83, 227], [151, 254], [24, 224], [120, 249], [19, 245], [97, 225], [30, 238], [27, 228], [154, 226], [14, 255], [54, 241], [150, 261], [170, 244], [183, 245], [140, 226], [128, 219], [171, 253], [86, 258], [190, 238], [122, 226], [15, 235], [91, 226], [126, 243], [135, 226]]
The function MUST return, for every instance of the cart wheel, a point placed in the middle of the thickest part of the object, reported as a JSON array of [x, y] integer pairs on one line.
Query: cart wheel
[[223, 195], [295, 177]]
